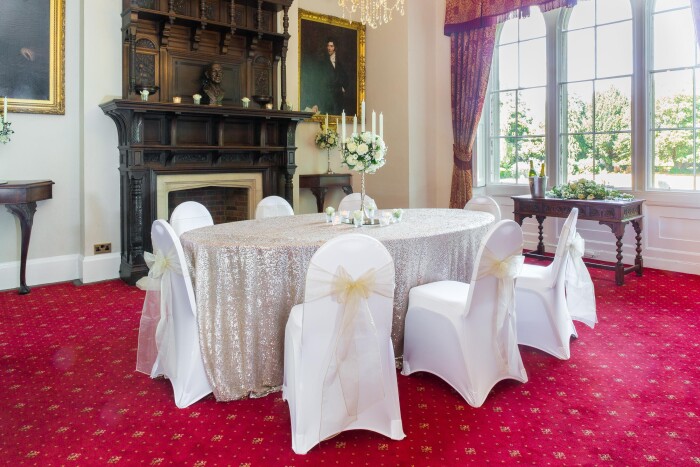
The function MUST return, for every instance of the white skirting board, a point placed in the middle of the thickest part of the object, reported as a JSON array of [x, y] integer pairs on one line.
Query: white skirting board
[[61, 269]]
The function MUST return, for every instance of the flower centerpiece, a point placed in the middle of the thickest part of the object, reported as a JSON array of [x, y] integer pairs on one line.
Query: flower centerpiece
[[365, 153], [587, 189], [327, 138]]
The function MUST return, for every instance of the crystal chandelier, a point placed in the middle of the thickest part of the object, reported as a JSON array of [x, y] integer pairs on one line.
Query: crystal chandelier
[[372, 12]]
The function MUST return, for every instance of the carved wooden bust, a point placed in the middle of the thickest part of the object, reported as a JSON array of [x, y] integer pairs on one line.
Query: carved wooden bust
[[211, 84]]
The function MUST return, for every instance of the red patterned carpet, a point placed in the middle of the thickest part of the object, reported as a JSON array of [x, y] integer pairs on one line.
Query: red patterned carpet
[[69, 394]]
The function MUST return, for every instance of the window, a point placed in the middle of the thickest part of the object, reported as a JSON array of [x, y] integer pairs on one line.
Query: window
[[517, 99], [673, 83], [596, 92]]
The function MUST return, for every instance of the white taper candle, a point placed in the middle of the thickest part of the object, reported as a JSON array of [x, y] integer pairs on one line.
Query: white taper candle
[[342, 141], [354, 125], [4, 112], [363, 116], [374, 124]]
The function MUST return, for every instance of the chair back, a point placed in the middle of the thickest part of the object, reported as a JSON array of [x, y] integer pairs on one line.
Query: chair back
[[504, 240], [322, 320], [273, 206], [352, 202], [566, 236], [165, 239], [189, 215], [179, 356], [485, 204]]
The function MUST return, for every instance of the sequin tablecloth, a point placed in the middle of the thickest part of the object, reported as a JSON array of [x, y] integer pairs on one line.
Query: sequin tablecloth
[[248, 275]]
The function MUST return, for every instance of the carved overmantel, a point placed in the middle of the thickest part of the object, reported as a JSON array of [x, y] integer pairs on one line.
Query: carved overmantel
[[168, 44], [167, 139]]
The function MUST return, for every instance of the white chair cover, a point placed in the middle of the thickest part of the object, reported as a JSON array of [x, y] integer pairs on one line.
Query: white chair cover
[[355, 338], [543, 317], [189, 215], [273, 206], [466, 333], [485, 204], [580, 294], [169, 335], [339, 363], [352, 202]]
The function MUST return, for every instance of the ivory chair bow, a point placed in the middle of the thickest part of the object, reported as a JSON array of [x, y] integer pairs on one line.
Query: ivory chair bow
[[169, 335], [505, 270], [580, 293], [355, 339], [465, 333], [339, 369], [157, 333]]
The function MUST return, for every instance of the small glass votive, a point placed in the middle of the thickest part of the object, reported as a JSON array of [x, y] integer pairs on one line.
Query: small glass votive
[[329, 214], [357, 218], [177, 100], [268, 106], [336, 220], [385, 219], [344, 215], [396, 215], [371, 210]]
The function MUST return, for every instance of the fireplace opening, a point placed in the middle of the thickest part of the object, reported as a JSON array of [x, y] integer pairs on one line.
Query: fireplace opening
[[226, 204]]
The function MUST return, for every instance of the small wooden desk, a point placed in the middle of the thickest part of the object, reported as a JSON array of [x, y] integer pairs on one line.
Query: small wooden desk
[[320, 183], [20, 197], [614, 214]]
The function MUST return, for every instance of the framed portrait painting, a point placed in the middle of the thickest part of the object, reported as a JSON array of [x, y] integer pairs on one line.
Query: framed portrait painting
[[331, 65], [32, 55]]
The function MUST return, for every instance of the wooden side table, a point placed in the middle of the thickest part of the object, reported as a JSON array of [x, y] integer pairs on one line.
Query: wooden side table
[[20, 197], [320, 183], [614, 214]]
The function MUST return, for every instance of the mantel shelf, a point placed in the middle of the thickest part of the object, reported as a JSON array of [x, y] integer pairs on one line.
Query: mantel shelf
[[223, 110]]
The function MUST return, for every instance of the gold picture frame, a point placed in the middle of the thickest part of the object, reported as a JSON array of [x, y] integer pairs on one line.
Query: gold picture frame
[[32, 60], [321, 83]]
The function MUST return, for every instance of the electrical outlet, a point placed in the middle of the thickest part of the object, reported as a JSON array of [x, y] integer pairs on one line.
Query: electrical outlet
[[103, 248]]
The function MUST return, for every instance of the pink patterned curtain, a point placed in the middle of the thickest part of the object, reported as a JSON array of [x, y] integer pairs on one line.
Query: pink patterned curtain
[[471, 25], [695, 6], [471, 63]]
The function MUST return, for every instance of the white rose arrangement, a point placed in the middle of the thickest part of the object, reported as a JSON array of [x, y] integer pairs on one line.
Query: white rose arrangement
[[327, 138], [364, 152]]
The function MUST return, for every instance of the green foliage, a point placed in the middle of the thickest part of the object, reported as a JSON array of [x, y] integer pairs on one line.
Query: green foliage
[[586, 189]]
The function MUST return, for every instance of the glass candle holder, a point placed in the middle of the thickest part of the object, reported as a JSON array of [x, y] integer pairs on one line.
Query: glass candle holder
[[357, 218]]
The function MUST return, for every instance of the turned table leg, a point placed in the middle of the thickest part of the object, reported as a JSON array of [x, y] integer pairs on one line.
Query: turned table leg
[[25, 213], [638, 261], [540, 227], [619, 267]]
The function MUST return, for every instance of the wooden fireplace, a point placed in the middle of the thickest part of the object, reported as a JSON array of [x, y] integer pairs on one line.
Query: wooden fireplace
[[167, 45]]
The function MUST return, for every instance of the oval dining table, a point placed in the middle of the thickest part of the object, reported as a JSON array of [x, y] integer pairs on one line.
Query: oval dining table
[[248, 275]]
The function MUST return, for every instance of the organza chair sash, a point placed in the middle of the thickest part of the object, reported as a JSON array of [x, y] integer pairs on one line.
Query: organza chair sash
[[356, 359], [580, 294], [505, 270], [157, 331]]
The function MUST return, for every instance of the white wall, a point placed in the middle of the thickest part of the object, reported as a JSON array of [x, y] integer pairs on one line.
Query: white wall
[[408, 79], [47, 147]]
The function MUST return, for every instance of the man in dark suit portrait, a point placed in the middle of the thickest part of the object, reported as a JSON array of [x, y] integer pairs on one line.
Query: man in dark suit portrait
[[336, 82]]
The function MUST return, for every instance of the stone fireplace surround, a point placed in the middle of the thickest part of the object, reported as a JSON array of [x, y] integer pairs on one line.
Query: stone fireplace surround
[[165, 184]]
